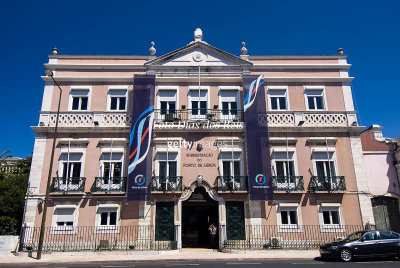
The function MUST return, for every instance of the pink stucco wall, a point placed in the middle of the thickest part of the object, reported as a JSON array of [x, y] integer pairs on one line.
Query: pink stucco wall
[[382, 176]]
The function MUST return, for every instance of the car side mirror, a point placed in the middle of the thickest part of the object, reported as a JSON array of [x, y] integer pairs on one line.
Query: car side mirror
[[362, 239]]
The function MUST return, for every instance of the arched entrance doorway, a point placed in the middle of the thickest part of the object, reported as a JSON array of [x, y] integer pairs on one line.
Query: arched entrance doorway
[[199, 211]]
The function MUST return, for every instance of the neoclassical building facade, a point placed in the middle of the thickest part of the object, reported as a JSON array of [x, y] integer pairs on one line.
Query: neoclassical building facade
[[199, 151]]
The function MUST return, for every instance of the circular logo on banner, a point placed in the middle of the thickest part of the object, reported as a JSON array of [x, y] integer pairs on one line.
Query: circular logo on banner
[[260, 179], [140, 180]]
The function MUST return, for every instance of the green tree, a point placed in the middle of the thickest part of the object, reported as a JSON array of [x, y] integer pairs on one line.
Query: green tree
[[12, 193]]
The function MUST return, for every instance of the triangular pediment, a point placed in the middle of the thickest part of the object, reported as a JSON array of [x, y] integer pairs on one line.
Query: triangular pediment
[[198, 53]]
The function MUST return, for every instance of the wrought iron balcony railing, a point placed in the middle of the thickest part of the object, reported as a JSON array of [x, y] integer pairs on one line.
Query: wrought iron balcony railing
[[288, 183], [324, 183], [212, 115], [106, 184], [232, 183], [166, 184], [70, 184]]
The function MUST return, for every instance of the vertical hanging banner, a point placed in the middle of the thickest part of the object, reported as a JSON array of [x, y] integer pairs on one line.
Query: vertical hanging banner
[[141, 139], [257, 143]]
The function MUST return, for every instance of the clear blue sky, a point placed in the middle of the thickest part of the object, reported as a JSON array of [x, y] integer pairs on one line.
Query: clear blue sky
[[369, 32]]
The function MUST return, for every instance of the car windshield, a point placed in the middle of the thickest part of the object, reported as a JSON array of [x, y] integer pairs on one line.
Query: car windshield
[[354, 236]]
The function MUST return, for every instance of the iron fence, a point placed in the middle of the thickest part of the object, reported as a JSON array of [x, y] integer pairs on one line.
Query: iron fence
[[213, 115], [70, 184], [288, 183], [106, 184], [232, 183], [166, 184], [289, 236], [93, 238], [331, 183]]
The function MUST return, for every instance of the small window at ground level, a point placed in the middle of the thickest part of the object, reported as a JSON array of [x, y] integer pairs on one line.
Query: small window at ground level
[[331, 217], [64, 216], [108, 218], [288, 217]]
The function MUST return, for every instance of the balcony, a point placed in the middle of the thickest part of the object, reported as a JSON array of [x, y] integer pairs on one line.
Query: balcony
[[308, 119], [113, 184], [85, 119], [65, 185], [166, 184], [232, 183], [212, 115], [288, 183], [328, 184]]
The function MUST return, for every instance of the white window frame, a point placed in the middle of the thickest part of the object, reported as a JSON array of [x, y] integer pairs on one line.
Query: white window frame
[[105, 160], [286, 95], [114, 89], [72, 151], [288, 205], [324, 152], [107, 206], [65, 229], [330, 206], [196, 89], [61, 162], [228, 150], [291, 151], [240, 159], [163, 151], [77, 89], [323, 93], [221, 99], [160, 98]]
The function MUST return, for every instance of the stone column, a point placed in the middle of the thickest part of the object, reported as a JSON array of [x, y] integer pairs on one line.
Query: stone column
[[360, 171]]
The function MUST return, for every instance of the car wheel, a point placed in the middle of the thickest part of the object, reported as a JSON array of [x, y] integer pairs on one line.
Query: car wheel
[[346, 254]]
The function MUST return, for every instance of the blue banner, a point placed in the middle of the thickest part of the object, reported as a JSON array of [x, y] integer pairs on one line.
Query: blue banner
[[141, 139], [257, 143]]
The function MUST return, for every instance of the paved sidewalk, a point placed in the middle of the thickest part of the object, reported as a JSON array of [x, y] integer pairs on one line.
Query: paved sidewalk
[[185, 254]]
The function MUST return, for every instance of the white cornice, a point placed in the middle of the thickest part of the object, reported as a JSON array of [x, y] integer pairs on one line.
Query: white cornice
[[142, 67], [296, 57], [108, 57], [96, 66], [204, 79], [301, 66]]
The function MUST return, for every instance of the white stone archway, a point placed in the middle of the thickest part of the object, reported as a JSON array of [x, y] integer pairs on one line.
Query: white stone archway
[[211, 190]]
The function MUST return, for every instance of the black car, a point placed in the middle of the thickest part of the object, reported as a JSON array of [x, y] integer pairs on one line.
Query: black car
[[364, 244]]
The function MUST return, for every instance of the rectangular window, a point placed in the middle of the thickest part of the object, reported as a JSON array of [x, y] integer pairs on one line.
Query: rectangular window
[[283, 164], [229, 101], [315, 99], [198, 103], [117, 99], [167, 107], [331, 216], [230, 164], [325, 168], [79, 100], [324, 164], [284, 168], [64, 219], [107, 217], [70, 167], [111, 170], [167, 103], [167, 167], [288, 217], [277, 99]]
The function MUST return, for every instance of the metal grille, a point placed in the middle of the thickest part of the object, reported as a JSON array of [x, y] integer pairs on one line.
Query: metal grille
[[164, 221], [235, 226]]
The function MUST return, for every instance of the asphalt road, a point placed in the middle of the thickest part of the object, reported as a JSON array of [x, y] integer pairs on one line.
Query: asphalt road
[[225, 263]]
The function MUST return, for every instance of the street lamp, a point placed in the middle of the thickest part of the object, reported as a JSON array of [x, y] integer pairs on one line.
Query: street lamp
[[46, 198]]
